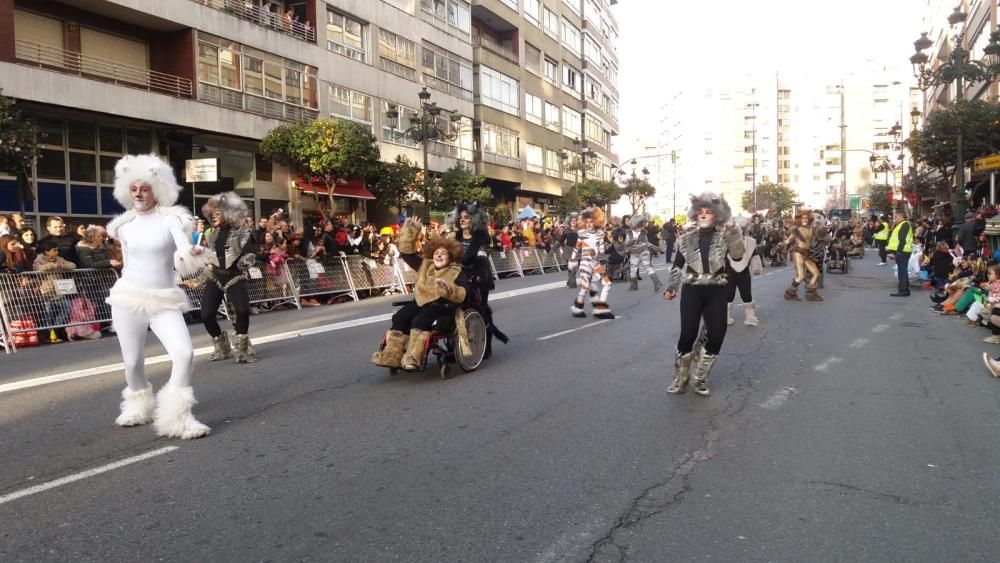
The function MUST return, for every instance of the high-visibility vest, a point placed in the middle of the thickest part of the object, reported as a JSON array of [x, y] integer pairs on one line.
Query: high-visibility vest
[[884, 233], [893, 245]]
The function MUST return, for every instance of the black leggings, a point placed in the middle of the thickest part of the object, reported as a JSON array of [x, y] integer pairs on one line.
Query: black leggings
[[882, 252], [741, 281], [411, 316], [239, 299], [697, 302]]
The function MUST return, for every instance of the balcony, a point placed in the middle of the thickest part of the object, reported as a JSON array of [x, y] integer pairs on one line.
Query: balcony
[[492, 45], [449, 150], [267, 107], [249, 11], [69, 62]]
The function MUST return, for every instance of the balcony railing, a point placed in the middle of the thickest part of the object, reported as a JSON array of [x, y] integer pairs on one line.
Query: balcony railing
[[70, 62], [250, 103], [247, 10], [503, 160], [452, 151], [491, 45]]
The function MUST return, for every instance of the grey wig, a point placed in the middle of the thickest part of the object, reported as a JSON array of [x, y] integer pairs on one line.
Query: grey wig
[[234, 209], [715, 202], [477, 217]]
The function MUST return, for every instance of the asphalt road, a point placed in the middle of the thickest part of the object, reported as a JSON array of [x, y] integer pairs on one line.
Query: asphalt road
[[862, 428]]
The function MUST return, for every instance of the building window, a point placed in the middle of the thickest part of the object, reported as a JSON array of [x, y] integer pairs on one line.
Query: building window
[[533, 109], [511, 3], [592, 12], [571, 122], [456, 13], [348, 104], [346, 35], [395, 135], [573, 5], [571, 36], [500, 145], [552, 116], [498, 90], [572, 79], [551, 70], [594, 129], [552, 161], [532, 59], [534, 159], [533, 11], [397, 55], [593, 89], [551, 22], [446, 71], [591, 50]]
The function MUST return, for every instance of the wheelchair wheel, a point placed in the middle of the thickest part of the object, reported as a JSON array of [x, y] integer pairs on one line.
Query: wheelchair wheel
[[476, 327]]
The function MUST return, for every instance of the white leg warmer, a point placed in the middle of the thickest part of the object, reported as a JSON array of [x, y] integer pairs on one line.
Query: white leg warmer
[[173, 417], [137, 407], [131, 328]]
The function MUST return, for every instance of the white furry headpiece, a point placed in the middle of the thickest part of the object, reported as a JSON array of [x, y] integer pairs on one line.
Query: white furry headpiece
[[638, 220], [146, 168], [715, 202], [234, 209]]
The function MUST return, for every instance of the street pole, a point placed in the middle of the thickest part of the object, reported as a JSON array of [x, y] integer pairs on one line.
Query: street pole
[[843, 152], [754, 152], [427, 176], [958, 198]]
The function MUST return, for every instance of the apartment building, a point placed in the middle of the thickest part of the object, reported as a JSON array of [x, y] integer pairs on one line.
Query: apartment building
[[207, 79]]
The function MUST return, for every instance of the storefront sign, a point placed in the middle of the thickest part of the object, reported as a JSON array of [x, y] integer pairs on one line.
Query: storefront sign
[[201, 170], [991, 162]]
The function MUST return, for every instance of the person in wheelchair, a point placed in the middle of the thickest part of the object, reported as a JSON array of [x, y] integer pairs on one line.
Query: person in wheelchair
[[440, 286], [841, 245]]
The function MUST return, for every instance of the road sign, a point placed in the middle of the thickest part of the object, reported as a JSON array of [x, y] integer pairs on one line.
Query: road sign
[[991, 162]]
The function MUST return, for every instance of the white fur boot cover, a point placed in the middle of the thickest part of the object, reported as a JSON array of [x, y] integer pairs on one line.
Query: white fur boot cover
[[137, 407], [173, 417]]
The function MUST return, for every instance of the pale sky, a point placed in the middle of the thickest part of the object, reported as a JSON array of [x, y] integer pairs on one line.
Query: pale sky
[[665, 44]]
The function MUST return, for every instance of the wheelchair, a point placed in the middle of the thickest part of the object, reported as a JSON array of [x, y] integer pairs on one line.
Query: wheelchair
[[856, 249], [443, 341], [837, 257]]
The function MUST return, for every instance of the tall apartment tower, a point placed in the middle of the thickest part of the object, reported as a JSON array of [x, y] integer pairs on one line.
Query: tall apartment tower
[[207, 79]]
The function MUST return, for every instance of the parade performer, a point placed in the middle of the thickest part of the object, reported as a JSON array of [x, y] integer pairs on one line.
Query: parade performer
[[473, 234], [155, 236], [639, 250], [227, 276], [440, 281], [700, 266], [800, 239], [568, 241], [739, 272], [591, 245]]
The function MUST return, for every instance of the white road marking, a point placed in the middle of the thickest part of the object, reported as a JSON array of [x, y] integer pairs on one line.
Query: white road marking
[[205, 350], [83, 475], [588, 325], [859, 343], [895, 316], [880, 328], [825, 364], [778, 399], [769, 274]]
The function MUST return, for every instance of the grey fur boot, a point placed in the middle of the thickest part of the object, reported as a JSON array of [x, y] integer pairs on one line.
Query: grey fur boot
[[222, 349], [657, 284], [633, 284], [682, 373], [700, 371], [242, 349]]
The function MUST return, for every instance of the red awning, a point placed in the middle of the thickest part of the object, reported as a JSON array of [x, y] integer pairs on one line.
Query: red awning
[[352, 188]]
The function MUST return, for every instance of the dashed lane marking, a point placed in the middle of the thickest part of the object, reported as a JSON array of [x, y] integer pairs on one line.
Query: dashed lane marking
[[858, 343], [775, 401], [205, 350], [588, 325], [83, 475], [895, 316], [880, 328], [825, 364]]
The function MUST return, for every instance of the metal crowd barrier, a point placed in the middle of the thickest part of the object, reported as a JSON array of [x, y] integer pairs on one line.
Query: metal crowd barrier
[[34, 302], [371, 274], [272, 285], [530, 261], [328, 277], [505, 262]]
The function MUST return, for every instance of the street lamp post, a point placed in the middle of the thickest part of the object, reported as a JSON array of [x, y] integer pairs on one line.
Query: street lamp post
[[424, 129], [581, 165], [958, 68]]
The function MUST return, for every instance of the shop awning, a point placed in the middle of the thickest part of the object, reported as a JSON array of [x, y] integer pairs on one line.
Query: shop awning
[[352, 188]]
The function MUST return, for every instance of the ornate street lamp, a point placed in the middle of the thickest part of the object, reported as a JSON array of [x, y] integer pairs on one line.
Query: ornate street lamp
[[959, 67], [424, 129]]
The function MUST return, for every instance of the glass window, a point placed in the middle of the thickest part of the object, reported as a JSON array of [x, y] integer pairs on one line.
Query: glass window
[[533, 11], [229, 69], [208, 63], [500, 145], [594, 130], [139, 141], [82, 167], [570, 36], [346, 35], [81, 135], [263, 168], [84, 199], [350, 104], [51, 131], [532, 58], [534, 158], [498, 90], [293, 86], [253, 76], [456, 13], [552, 116], [112, 139], [511, 3], [571, 121], [591, 50], [573, 5], [447, 66], [51, 164], [534, 109], [571, 78], [107, 164], [397, 55], [551, 70], [551, 163], [272, 80], [551, 21], [395, 134]]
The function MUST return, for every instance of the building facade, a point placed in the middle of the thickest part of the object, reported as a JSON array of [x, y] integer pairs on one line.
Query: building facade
[[207, 79]]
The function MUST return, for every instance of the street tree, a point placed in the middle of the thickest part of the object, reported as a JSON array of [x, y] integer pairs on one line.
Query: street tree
[[880, 198], [18, 146], [776, 197], [638, 190], [397, 183], [597, 192], [935, 145], [458, 184]]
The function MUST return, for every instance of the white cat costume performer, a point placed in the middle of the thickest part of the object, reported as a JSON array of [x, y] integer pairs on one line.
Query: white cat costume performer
[[591, 247], [155, 238], [639, 251]]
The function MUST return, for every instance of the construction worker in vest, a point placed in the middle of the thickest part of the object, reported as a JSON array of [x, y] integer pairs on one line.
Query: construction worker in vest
[[881, 237], [901, 244]]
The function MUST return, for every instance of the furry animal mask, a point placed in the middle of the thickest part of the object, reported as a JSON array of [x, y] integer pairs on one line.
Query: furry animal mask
[[149, 169], [595, 213], [477, 217], [234, 209], [712, 201], [805, 213]]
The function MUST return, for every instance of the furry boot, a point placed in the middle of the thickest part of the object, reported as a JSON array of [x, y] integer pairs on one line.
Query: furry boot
[[243, 350], [223, 350], [682, 372], [729, 315], [577, 309], [811, 294], [173, 417], [571, 282], [137, 407], [700, 371], [391, 354], [657, 284], [633, 284], [792, 293], [751, 312], [416, 350], [602, 311]]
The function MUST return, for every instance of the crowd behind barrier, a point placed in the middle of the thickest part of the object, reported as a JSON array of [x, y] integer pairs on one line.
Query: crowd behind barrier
[[37, 303]]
